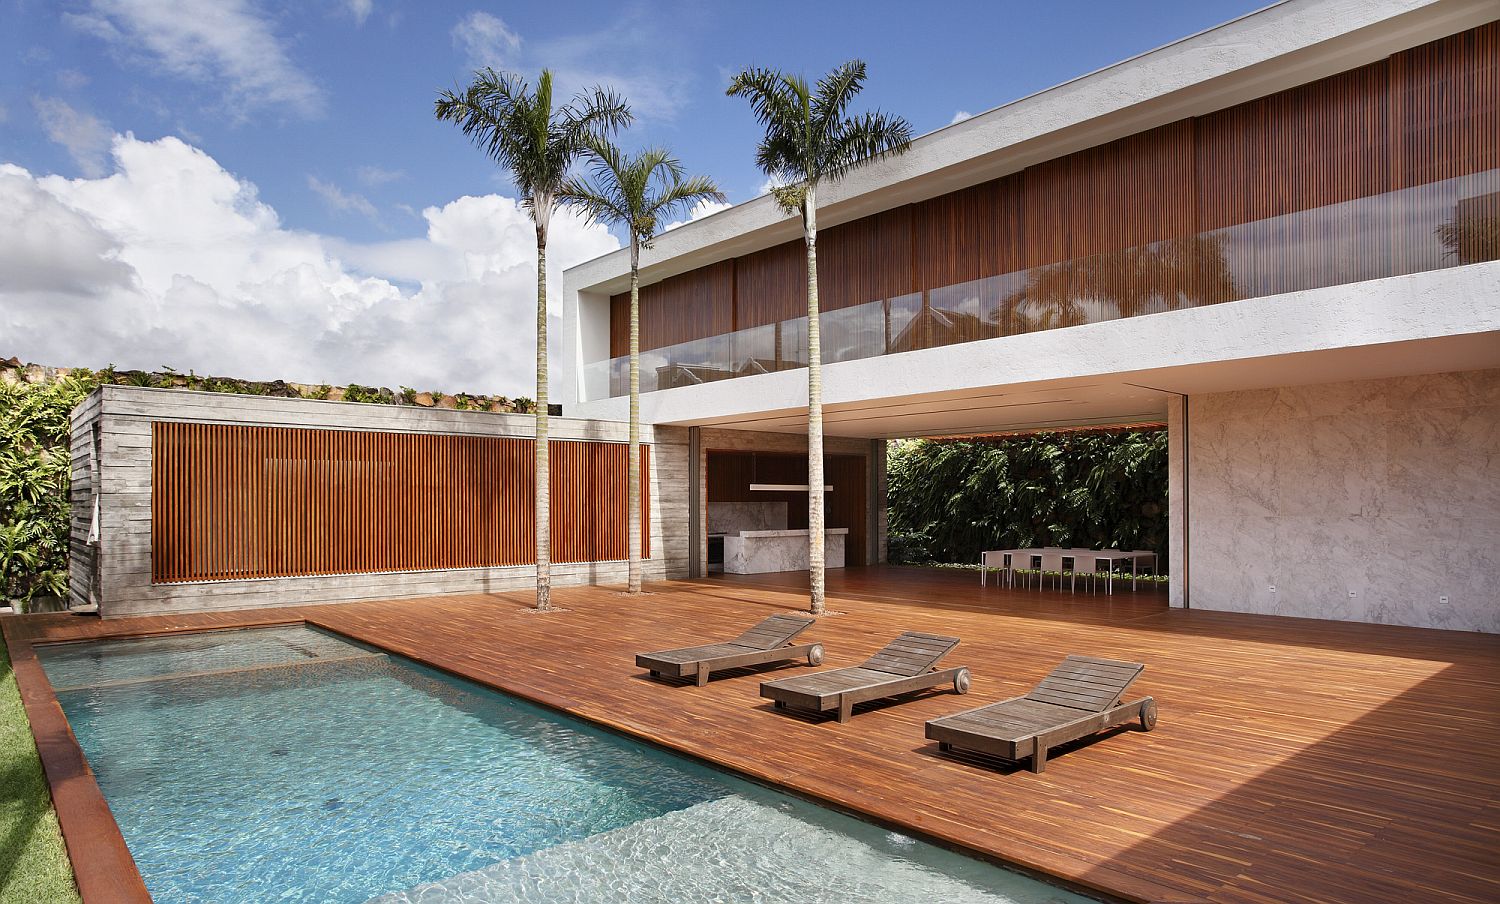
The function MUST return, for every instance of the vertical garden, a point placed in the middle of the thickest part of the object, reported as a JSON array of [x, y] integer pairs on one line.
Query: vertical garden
[[951, 499]]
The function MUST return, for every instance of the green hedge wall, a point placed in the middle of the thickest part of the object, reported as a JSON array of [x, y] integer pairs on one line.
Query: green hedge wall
[[951, 499], [34, 466]]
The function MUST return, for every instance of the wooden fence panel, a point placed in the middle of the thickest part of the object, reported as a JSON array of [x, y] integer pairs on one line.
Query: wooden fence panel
[[232, 502]]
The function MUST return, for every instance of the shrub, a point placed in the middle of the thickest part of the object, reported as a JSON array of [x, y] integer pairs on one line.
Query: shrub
[[951, 499], [34, 464]]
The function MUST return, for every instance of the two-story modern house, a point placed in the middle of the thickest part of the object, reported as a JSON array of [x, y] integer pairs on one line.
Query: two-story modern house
[[1279, 237]]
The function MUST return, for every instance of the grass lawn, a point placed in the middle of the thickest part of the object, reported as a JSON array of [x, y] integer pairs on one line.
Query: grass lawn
[[33, 862]]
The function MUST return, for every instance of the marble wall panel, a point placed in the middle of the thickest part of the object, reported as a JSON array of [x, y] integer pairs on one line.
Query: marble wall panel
[[1375, 501]]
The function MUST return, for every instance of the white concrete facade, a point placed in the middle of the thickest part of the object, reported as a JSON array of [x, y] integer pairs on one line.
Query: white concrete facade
[[1419, 350]]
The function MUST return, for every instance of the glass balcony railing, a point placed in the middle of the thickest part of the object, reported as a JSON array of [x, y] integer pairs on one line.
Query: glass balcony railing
[[1427, 227]]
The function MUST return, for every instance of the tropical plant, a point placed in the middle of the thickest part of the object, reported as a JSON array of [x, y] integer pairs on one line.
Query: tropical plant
[[811, 140], [951, 499], [34, 465], [519, 129], [636, 193]]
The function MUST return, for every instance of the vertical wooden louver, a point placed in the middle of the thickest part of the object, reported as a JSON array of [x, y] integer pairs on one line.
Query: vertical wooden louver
[[233, 502], [1383, 170]]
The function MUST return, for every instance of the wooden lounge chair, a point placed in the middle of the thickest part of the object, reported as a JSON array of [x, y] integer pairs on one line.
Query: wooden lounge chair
[[905, 665], [769, 641], [1080, 697]]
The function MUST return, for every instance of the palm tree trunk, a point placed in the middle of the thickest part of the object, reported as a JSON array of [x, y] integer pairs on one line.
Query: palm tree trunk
[[543, 476], [814, 414], [634, 484]]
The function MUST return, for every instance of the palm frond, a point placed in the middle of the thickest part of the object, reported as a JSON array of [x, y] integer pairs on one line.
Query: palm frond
[[635, 192], [835, 91], [518, 127], [862, 139], [809, 136]]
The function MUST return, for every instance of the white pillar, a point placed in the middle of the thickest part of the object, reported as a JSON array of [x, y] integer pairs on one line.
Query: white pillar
[[1177, 501]]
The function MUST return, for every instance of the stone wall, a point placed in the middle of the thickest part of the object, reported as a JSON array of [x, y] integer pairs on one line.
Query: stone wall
[[1374, 501]]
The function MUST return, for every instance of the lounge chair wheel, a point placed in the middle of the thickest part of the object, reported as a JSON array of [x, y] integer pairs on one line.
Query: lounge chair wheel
[[815, 655], [961, 682], [1148, 715]]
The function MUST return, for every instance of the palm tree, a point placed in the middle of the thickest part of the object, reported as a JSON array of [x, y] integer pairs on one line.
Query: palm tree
[[810, 140], [636, 193], [519, 129]]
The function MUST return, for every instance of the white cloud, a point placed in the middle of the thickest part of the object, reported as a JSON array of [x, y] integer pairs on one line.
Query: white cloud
[[220, 42], [772, 182], [960, 116], [359, 9], [706, 207], [339, 200], [625, 56], [172, 260], [486, 40], [374, 175], [86, 138], [72, 79]]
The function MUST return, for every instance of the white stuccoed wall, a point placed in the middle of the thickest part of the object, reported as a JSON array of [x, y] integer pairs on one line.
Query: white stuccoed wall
[[1389, 489]]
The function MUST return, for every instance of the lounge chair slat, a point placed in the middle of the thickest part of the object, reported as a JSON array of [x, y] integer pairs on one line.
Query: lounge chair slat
[[1086, 704], [1080, 697], [1092, 692], [775, 631], [890, 672], [922, 653], [763, 644]]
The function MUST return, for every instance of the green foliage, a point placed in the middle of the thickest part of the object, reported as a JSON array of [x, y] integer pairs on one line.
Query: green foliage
[[636, 193], [810, 137], [378, 396], [950, 500], [34, 463]]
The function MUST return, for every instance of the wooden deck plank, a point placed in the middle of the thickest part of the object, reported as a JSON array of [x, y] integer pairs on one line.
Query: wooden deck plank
[[1294, 759]]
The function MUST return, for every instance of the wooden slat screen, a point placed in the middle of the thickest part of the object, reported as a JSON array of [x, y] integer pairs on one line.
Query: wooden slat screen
[[1330, 182], [678, 309], [234, 502]]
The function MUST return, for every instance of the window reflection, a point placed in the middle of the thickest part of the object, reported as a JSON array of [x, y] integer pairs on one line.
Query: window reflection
[[1427, 227]]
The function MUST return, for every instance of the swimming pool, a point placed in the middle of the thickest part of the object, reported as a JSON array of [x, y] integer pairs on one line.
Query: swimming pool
[[285, 764]]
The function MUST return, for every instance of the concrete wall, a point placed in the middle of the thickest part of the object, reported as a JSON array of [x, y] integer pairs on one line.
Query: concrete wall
[[84, 443], [124, 416], [1375, 501]]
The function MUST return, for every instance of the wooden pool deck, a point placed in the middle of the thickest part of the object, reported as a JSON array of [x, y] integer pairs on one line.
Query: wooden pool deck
[[1294, 761]]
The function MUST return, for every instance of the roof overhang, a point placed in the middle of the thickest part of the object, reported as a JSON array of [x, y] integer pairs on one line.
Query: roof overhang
[[1279, 47]]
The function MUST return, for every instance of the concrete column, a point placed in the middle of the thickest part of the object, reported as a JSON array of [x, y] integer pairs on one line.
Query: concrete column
[[876, 516], [1178, 553], [697, 539]]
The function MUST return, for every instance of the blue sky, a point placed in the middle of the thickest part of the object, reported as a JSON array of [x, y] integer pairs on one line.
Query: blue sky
[[323, 112]]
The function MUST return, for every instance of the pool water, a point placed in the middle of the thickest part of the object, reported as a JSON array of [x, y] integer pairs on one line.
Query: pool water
[[285, 764]]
